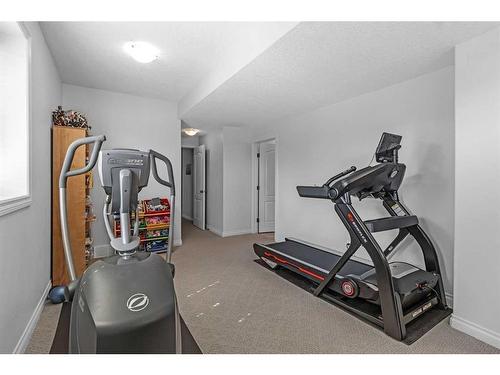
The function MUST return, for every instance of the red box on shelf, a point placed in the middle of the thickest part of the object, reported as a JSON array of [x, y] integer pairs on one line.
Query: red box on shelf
[[162, 208], [154, 221]]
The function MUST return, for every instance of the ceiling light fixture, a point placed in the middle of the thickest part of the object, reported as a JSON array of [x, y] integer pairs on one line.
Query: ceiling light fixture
[[191, 131], [142, 52]]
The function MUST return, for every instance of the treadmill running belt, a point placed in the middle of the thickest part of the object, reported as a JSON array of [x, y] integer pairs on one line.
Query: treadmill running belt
[[318, 258]]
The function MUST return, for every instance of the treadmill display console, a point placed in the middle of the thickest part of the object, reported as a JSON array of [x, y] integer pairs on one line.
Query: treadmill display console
[[386, 146]]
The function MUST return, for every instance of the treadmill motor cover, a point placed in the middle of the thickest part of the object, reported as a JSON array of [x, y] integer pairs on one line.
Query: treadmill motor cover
[[412, 283]]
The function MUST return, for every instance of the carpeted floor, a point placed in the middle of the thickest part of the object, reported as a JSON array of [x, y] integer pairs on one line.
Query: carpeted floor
[[233, 305]]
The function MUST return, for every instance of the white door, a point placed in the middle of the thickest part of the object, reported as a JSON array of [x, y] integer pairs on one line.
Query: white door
[[267, 171], [199, 187]]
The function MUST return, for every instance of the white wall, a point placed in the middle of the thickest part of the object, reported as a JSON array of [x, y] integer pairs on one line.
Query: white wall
[[229, 180], [25, 235], [187, 141], [316, 145], [477, 171], [214, 179], [187, 184], [237, 180], [130, 122]]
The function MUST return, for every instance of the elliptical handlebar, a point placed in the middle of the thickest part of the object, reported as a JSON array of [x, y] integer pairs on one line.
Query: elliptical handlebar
[[341, 174], [66, 171], [170, 184], [63, 178]]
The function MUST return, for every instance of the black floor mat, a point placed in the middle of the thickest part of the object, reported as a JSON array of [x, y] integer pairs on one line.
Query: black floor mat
[[60, 343], [415, 330], [419, 327]]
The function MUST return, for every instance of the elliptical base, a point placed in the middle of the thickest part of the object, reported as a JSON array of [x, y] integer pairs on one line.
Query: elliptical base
[[60, 342]]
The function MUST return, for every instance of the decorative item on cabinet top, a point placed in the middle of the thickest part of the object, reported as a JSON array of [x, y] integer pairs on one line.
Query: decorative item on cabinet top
[[69, 118]]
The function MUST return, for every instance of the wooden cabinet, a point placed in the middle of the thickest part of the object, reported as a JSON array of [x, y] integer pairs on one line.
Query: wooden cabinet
[[77, 193]]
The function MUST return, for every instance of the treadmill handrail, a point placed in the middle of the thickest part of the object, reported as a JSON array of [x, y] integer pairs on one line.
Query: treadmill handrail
[[341, 174], [324, 191], [390, 223], [321, 192]]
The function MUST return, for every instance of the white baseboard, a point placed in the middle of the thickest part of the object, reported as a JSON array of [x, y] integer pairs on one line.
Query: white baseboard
[[178, 242], [475, 330], [187, 217], [25, 338], [215, 230], [229, 233], [236, 232]]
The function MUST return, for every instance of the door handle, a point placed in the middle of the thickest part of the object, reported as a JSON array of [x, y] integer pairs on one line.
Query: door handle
[[201, 191]]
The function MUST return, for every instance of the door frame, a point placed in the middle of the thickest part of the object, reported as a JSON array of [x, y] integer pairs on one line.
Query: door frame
[[182, 174], [255, 181], [206, 187], [192, 147]]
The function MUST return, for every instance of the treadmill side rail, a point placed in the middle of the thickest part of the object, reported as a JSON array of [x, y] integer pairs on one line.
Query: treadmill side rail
[[390, 301]]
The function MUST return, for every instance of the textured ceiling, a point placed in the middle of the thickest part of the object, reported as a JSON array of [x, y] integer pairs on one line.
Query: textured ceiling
[[90, 53], [316, 64], [248, 74]]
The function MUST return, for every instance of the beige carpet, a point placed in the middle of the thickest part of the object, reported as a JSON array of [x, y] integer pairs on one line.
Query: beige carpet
[[233, 305], [41, 341]]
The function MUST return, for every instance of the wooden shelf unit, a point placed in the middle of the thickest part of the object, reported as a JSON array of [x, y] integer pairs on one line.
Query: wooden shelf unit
[[80, 210]]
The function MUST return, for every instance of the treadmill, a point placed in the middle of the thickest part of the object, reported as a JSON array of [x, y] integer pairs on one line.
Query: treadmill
[[391, 295]]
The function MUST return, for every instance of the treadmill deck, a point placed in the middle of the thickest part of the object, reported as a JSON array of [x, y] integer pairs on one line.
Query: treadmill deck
[[318, 259], [315, 264]]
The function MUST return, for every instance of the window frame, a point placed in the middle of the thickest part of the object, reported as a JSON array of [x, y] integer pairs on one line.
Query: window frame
[[13, 204]]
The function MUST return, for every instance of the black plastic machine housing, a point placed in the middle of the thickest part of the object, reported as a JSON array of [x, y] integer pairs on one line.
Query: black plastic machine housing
[[388, 294], [125, 306]]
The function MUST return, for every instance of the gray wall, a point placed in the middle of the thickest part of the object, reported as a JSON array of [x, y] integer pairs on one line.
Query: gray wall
[[187, 184], [25, 234], [316, 145], [130, 122], [477, 220]]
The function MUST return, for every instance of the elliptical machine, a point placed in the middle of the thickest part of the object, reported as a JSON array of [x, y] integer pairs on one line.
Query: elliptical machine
[[125, 303]]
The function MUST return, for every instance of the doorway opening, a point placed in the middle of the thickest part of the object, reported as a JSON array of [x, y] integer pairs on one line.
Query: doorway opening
[[187, 184], [194, 185], [266, 186]]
